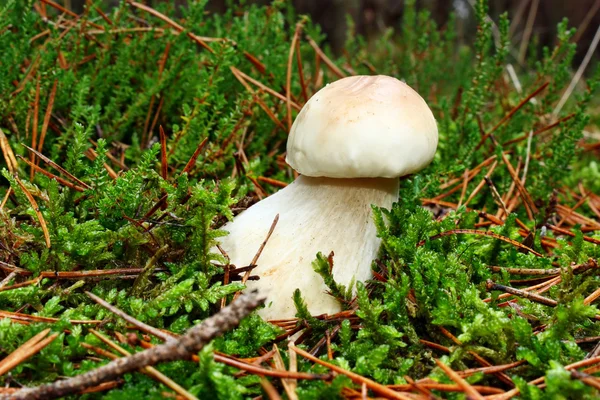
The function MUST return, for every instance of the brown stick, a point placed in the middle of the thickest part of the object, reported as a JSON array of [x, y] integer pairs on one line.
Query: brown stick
[[181, 349]]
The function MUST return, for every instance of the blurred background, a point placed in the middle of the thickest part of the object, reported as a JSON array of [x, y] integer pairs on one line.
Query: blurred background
[[533, 22]]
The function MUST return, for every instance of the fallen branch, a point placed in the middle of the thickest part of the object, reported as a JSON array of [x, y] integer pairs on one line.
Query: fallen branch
[[180, 349]]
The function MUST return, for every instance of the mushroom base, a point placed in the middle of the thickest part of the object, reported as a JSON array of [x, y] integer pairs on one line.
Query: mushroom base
[[315, 214]]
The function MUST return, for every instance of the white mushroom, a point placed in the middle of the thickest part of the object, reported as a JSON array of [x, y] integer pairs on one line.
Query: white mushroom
[[350, 143]]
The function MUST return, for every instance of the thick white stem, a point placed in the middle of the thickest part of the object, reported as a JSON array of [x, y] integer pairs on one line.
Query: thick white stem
[[315, 214]]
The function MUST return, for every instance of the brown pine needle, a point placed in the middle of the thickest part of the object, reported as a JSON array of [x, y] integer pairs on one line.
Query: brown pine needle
[[273, 182], [482, 361], [260, 102], [92, 155], [70, 13], [467, 388], [140, 325], [34, 318], [26, 350], [288, 88], [511, 113], [57, 167], [592, 297], [445, 387], [36, 208], [529, 205], [579, 364], [569, 233], [301, 72], [326, 59], [358, 379], [473, 172], [256, 62], [47, 116], [544, 129], [198, 39], [265, 88], [435, 346], [50, 175], [267, 372], [258, 253], [34, 132], [192, 161], [482, 183], [420, 388], [483, 233], [164, 165], [269, 389]]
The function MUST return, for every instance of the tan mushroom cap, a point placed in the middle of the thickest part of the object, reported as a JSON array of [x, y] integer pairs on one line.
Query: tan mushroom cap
[[363, 127]]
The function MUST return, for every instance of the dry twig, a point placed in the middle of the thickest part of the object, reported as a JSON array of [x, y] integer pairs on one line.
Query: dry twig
[[183, 348]]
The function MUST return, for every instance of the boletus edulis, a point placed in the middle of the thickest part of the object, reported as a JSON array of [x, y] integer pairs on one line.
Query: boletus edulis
[[350, 143]]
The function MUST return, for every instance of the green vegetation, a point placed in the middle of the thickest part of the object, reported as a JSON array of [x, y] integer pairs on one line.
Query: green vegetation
[[90, 93]]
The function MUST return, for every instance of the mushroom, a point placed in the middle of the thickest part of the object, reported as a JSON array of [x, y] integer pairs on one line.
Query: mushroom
[[351, 142]]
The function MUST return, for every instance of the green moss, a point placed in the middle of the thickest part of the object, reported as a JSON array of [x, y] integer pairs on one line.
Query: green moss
[[114, 90]]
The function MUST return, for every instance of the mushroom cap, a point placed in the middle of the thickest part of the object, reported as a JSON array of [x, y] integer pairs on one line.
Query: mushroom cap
[[363, 127]]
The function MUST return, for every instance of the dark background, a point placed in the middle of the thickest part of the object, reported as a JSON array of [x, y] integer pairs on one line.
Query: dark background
[[373, 16]]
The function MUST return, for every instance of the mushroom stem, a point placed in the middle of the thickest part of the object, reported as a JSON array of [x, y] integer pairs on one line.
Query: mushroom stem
[[315, 214]]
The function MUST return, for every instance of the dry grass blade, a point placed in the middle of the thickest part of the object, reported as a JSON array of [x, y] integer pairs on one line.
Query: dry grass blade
[[468, 389], [58, 167], [374, 386], [26, 350], [150, 371], [288, 386], [7, 152], [36, 208]]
